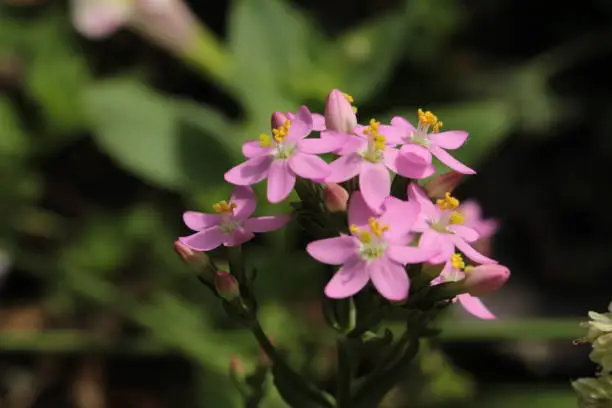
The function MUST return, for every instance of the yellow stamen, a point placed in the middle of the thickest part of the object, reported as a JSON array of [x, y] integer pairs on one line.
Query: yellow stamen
[[372, 131], [376, 228], [427, 119], [281, 132], [349, 98], [354, 109], [457, 261], [456, 218], [223, 207], [468, 268], [448, 202], [265, 141], [364, 236]]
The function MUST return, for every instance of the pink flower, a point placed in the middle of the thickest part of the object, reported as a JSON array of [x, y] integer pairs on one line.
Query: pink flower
[[442, 229], [283, 157], [420, 143], [279, 119], [376, 250], [231, 224], [455, 270], [472, 217], [370, 154]]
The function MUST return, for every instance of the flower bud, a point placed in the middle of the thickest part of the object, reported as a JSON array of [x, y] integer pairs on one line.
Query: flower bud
[[189, 256], [339, 113], [485, 279], [278, 119], [441, 184], [226, 285], [335, 197]]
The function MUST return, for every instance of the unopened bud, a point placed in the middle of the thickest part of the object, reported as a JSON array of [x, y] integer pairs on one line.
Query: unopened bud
[[189, 256], [485, 279], [278, 119], [441, 184], [226, 285], [339, 113], [335, 197]]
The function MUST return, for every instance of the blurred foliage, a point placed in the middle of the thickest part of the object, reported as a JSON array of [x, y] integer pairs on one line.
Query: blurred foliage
[[97, 240]]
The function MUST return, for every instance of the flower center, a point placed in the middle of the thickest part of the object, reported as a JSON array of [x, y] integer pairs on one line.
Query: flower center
[[427, 120], [459, 269], [448, 217], [376, 143], [373, 245], [228, 224], [283, 148]]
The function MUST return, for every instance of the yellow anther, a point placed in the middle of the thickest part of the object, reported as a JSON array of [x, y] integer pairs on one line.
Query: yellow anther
[[223, 207], [281, 132], [349, 98], [468, 268], [364, 236], [457, 261], [265, 141], [456, 218], [448, 202], [427, 119], [437, 126], [354, 109], [376, 228]]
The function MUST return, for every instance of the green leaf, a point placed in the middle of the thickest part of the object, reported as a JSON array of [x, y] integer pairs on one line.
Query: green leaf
[[171, 143], [14, 141]]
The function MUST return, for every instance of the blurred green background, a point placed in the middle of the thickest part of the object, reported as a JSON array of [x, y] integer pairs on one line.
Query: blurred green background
[[103, 145]]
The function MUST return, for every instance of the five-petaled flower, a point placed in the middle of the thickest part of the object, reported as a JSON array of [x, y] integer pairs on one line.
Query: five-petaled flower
[[376, 249], [231, 224], [282, 157], [442, 229], [420, 142]]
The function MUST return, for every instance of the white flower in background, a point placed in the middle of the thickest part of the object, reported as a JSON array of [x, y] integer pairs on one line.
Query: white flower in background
[[168, 23]]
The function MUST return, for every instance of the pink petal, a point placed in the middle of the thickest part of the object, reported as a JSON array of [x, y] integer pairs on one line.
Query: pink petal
[[358, 211], [349, 279], [309, 166], [474, 306], [99, 19], [450, 161], [205, 240], [318, 122], [451, 140], [239, 237], [198, 221], [344, 168], [389, 278], [352, 144], [250, 172], [244, 198], [253, 148], [320, 145], [390, 158], [267, 223], [471, 212], [466, 233], [374, 183], [403, 124], [438, 244], [487, 228], [301, 126], [416, 193], [281, 181], [414, 161], [392, 134], [333, 251], [408, 255], [399, 216], [470, 252]]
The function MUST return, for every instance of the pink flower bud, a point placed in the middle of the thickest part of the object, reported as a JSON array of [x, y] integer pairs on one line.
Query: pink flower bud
[[441, 184], [485, 279], [189, 256], [278, 119], [339, 113], [226, 285], [335, 197]]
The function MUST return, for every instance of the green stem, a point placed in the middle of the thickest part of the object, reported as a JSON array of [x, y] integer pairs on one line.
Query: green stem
[[345, 373], [236, 264]]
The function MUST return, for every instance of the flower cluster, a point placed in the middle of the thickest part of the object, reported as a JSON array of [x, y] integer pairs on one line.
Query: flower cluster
[[385, 233]]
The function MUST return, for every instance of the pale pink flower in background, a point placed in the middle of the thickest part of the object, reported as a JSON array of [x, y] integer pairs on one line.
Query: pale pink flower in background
[[340, 117], [443, 183], [489, 278], [283, 157], [231, 224], [376, 250], [472, 217], [419, 142], [370, 155], [442, 228]]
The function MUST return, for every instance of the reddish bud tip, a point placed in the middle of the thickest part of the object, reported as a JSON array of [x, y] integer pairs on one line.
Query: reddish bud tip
[[226, 285], [441, 184], [335, 197], [189, 256], [485, 279], [339, 113], [236, 367]]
